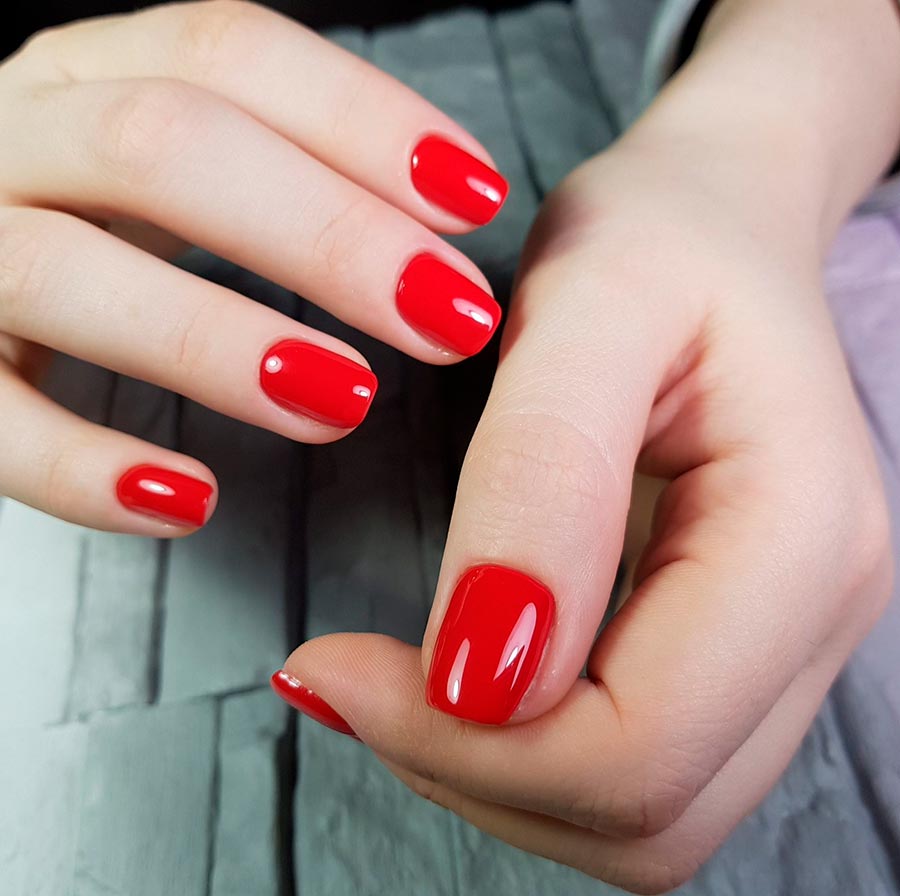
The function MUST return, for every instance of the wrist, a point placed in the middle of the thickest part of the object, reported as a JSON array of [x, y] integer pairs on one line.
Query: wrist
[[799, 98], [744, 164]]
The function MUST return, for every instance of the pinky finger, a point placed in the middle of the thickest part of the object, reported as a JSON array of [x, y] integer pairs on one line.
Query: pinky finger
[[55, 461]]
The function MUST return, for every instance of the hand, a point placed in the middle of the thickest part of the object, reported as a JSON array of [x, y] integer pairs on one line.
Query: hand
[[668, 319], [227, 126]]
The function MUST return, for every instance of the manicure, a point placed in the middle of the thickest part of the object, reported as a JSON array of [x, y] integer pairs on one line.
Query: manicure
[[310, 380], [310, 704], [165, 495], [490, 644], [445, 306], [456, 181]]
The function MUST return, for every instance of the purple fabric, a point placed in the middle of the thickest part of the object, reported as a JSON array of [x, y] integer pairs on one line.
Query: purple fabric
[[831, 826], [863, 284]]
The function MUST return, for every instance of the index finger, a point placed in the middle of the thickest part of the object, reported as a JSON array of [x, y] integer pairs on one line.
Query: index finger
[[684, 675], [347, 113]]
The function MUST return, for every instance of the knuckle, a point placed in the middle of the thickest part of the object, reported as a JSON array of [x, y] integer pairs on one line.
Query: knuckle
[[641, 804], [664, 797], [673, 762], [360, 89], [24, 265], [59, 490], [607, 808], [532, 464], [871, 567], [44, 44], [215, 33], [872, 540], [669, 762], [340, 239], [139, 130], [191, 339], [854, 539], [44, 55]]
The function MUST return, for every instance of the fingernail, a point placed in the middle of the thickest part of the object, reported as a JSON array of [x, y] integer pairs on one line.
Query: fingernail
[[165, 495], [445, 306], [456, 181], [303, 699], [490, 644], [310, 380]]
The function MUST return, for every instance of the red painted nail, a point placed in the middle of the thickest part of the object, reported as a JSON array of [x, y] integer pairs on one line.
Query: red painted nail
[[303, 699], [313, 381], [165, 495], [446, 306], [490, 644], [456, 181]]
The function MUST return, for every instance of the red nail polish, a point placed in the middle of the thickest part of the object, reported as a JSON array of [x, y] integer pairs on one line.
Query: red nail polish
[[490, 644], [445, 306], [456, 181], [303, 699], [310, 380], [165, 495]]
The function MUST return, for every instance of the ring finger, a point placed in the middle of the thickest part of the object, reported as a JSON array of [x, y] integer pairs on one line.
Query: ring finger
[[71, 286]]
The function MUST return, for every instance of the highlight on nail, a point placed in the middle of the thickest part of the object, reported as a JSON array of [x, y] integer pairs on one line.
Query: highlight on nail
[[315, 382], [166, 495], [445, 306], [301, 698], [490, 644], [457, 181]]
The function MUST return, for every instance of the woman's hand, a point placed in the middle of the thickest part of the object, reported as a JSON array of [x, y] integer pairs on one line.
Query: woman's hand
[[669, 320], [227, 126], [651, 328]]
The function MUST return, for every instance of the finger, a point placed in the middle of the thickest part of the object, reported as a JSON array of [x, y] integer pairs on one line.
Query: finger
[[73, 287], [57, 462], [660, 862], [190, 162], [537, 528], [580, 763], [729, 611], [339, 108]]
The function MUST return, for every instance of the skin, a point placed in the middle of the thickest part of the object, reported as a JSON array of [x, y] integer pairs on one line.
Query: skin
[[668, 324], [127, 138]]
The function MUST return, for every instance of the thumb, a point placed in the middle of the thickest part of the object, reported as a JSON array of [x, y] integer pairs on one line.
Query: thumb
[[538, 525]]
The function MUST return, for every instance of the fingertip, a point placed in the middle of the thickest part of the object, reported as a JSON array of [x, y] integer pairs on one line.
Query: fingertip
[[373, 681], [456, 180], [302, 698], [169, 496], [455, 314]]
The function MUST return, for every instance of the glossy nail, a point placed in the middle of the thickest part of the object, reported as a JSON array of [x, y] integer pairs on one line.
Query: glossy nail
[[445, 306], [490, 644], [310, 380], [310, 704], [456, 181], [165, 495]]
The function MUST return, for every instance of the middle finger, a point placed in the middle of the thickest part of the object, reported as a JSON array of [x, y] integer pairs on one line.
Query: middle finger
[[192, 163]]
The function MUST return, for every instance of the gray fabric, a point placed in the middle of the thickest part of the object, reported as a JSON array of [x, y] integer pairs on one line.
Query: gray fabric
[[140, 750], [663, 43]]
